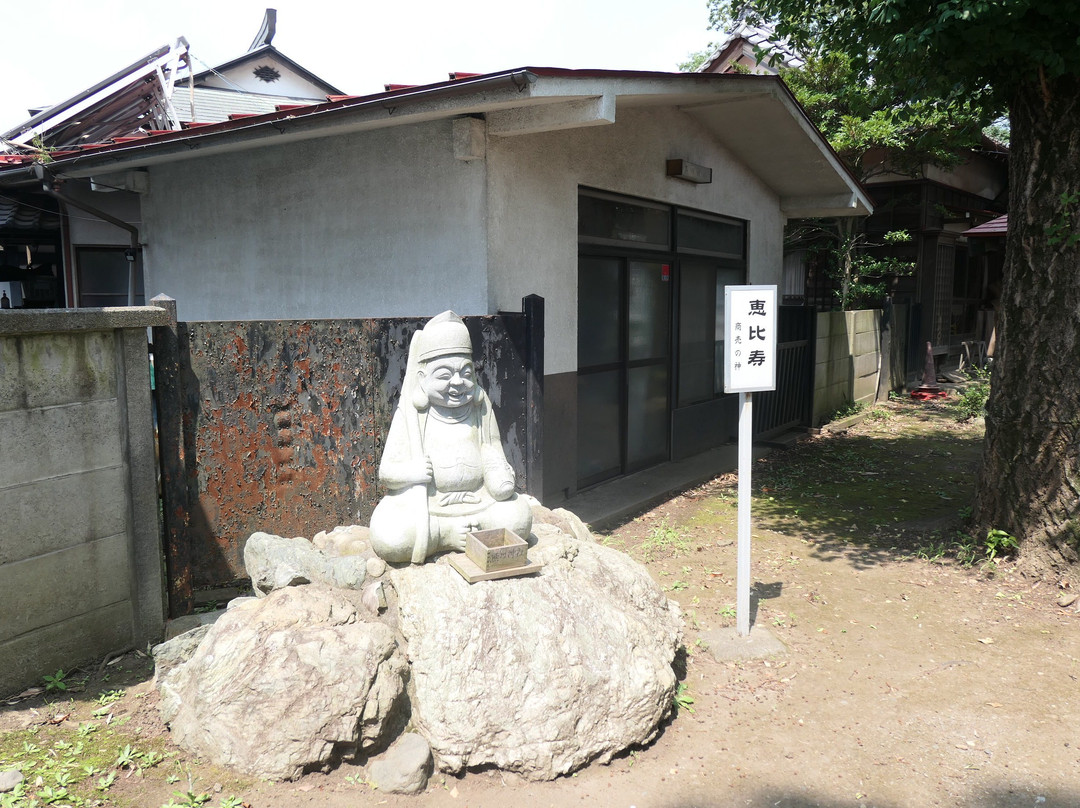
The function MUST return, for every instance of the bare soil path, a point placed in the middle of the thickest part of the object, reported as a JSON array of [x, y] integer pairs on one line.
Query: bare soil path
[[917, 672]]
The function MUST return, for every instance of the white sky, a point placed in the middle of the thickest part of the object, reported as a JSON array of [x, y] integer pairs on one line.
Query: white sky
[[52, 49]]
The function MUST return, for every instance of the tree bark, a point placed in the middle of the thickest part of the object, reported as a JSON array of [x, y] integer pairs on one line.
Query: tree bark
[[1029, 483]]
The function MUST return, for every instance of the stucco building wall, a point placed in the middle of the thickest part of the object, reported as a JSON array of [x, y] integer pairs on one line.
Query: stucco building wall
[[533, 183], [377, 224]]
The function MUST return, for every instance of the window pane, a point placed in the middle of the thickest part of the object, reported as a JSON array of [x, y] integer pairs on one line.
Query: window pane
[[649, 310], [697, 332], [599, 307], [621, 220], [725, 276], [794, 283], [646, 414], [598, 426], [726, 236], [103, 278]]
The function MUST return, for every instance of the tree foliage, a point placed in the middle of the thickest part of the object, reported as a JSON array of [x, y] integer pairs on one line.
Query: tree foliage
[[698, 59], [844, 251], [1022, 56], [866, 122], [978, 51]]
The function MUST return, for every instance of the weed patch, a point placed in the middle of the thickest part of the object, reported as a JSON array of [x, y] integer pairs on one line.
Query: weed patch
[[665, 540]]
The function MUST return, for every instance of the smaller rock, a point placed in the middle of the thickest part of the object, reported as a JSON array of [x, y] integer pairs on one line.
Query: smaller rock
[[404, 768], [1066, 599], [11, 778], [273, 562], [375, 567], [184, 624], [561, 519], [374, 598], [343, 540], [235, 701], [178, 650]]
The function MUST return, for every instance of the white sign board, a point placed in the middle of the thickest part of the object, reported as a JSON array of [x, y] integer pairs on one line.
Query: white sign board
[[749, 339]]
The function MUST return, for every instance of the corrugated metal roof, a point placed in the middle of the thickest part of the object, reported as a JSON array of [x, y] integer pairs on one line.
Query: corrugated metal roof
[[213, 105], [994, 227]]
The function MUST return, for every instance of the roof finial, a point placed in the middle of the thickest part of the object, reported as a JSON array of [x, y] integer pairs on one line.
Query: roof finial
[[266, 32]]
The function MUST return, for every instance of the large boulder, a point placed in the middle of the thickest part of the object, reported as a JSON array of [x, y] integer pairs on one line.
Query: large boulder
[[542, 674], [283, 684], [537, 674]]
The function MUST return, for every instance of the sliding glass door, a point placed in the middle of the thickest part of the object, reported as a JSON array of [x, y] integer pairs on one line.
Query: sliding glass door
[[624, 365]]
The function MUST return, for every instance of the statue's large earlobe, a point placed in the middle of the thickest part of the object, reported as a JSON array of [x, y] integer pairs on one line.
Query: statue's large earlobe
[[419, 397]]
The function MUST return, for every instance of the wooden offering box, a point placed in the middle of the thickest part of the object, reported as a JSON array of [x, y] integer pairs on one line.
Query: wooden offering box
[[497, 549], [491, 554]]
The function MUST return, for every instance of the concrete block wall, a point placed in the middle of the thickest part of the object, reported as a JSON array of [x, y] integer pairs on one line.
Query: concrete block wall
[[847, 360], [80, 555]]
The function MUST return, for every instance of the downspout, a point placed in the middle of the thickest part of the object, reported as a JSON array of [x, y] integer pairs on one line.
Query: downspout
[[47, 183]]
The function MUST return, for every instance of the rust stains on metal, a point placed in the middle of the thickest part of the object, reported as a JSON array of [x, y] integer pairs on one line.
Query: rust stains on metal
[[286, 422]]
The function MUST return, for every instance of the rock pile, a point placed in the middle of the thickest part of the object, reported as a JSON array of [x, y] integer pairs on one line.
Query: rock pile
[[339, 655]]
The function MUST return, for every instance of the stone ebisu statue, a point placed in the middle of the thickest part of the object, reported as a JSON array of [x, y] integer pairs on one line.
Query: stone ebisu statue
[[443, 461]]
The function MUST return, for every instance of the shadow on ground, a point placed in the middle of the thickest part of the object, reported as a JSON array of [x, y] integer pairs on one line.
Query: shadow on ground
[[1001, 797], [876, 495]]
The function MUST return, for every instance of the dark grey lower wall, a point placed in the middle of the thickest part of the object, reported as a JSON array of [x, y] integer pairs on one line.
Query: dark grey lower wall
[[560, 436], [284, 423], [694, 430], [699, 427]]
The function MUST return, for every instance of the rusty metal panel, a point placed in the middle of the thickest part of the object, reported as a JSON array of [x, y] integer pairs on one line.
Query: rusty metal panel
[[284, 423]]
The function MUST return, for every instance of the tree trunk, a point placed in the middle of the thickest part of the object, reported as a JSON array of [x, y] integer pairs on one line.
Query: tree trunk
[[1029, 484], [846, 228]]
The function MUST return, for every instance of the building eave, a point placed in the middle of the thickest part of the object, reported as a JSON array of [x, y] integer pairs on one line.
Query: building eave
[[756, 118]]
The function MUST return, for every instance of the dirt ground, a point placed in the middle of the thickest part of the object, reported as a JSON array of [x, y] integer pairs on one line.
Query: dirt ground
[[917, 671]]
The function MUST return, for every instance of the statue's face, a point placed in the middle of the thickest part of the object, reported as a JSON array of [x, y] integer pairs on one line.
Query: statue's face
[[448, 381]]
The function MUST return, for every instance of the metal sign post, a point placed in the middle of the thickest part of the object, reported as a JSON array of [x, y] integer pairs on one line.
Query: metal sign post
[[750, 325]]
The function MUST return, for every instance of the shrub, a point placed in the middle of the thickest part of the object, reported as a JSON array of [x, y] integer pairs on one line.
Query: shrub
[[972, 401]]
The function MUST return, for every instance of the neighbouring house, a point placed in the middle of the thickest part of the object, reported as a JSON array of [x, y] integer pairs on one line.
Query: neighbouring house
[[952, 290], [257, 82], [986, 247], [79, 246], [626, 199]]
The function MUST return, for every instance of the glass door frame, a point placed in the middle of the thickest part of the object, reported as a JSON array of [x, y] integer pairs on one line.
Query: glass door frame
[[625, 256]]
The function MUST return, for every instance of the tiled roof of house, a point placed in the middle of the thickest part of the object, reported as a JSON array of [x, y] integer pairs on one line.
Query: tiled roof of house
[[756, 37], [253, 56]]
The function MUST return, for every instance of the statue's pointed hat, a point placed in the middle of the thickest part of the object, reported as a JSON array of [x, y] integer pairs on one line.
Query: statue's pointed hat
[[444, 335]]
